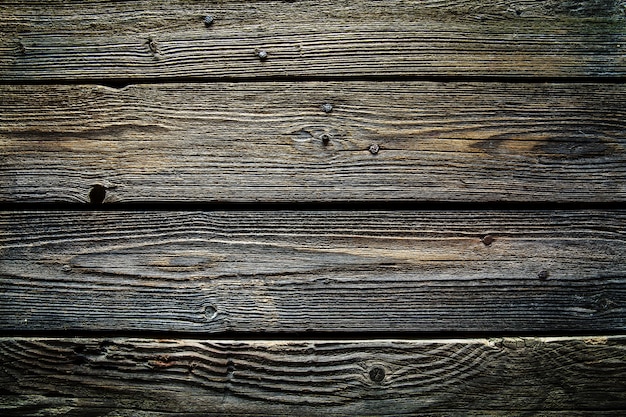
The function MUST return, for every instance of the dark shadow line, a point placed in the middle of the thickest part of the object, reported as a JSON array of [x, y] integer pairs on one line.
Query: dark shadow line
[[124, 82], [368, 205], [308, 335]]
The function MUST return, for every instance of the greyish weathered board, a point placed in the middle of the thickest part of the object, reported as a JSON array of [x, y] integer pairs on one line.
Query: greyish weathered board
[[266, 142], [44, 40], [143, 377], [296, 271]]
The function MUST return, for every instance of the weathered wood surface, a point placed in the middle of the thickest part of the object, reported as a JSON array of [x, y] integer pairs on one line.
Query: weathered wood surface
[[377, 377], [265, 142], [292, 271], [101, 40]]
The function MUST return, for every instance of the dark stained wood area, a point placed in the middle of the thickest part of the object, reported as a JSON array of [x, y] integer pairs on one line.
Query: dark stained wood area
[[312, 208]]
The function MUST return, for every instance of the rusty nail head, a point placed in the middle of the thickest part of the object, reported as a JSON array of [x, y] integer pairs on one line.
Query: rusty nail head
[[327, 107], [487, 240], [208, 20], [262, 54], [377, 374], [543, 275], [374, 148]]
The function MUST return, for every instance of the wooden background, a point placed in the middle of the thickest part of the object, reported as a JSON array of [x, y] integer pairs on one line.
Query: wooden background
[[313, 208]]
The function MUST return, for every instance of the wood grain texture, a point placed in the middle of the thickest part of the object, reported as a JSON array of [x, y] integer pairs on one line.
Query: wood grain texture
[[246, 142], [153, 39], [292, 271], [378, 377]]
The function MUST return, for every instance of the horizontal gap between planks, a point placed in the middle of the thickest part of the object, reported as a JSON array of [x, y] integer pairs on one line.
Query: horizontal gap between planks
[[124, 82], [303, 336], [317, 206]]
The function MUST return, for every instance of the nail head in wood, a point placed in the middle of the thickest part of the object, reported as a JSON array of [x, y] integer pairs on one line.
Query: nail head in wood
[[374, 148], [377, 374], [325, 138], [208, 20], [487, 240], [262, 55], [543, 275], [327, 107]]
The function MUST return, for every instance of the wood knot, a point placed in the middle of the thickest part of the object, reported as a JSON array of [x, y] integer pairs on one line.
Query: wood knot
[[377, 374], [153, 46], [325, 137], [210, 312]]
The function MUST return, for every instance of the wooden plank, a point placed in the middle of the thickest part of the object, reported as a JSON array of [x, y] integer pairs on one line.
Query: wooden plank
[[45, 40], [247, 142], [291, 271], [377, 377]]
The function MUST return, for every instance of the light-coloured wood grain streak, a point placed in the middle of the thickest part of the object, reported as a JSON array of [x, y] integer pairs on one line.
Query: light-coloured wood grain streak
[[273, 142], [134, 40], [147, 377], [297, 271]]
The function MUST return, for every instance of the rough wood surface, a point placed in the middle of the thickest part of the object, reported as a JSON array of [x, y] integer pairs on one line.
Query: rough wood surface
[[291, 271], [266, 142], [45, 40], [378, 377]]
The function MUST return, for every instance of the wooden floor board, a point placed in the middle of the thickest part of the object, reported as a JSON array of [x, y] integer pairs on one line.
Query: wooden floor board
[[272, 142], [160, 39], [501, 376], [298, 271]]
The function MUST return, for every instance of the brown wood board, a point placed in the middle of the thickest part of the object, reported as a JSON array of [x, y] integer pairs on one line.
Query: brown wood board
[[160, 39], [146, 377], [273, 142], [322, 271]]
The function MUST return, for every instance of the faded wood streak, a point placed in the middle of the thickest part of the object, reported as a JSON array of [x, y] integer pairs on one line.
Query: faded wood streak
[[384, 377], [213, 272], [87, 40], [265, 142]]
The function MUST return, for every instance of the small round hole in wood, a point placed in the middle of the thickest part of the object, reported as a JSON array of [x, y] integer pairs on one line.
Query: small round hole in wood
[[97, 194]]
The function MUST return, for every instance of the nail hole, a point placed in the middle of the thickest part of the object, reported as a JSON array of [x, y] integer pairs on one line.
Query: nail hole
[[97, 194], [377, 374], [80, 359], [230, 367], [543, 275], [325, 138], [487, 240]]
